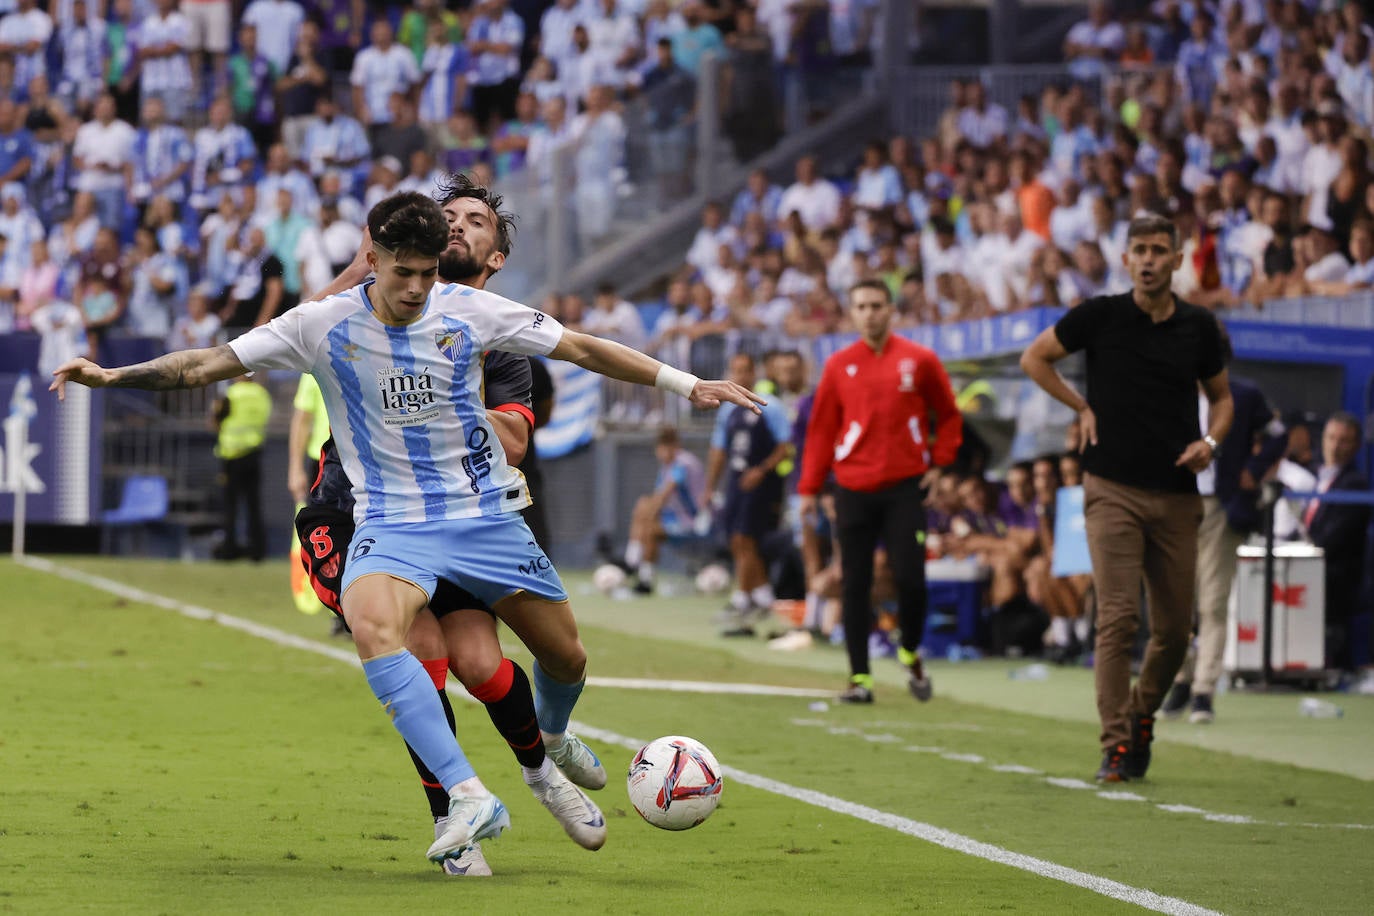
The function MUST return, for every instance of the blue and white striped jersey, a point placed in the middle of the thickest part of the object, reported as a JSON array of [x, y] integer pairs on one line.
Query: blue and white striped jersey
[[405, 403]]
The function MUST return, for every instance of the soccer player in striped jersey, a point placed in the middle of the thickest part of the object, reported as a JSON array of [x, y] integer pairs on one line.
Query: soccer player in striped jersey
[[458, 631], [398, 361]]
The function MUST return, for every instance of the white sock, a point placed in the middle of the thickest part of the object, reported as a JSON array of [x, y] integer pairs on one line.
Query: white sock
[[552, 742], [634, 553], [646, 572], [1059, 631], [812, 620], [739, 600], [762, 597], [1081, 628], [469, 788], [540, 773]]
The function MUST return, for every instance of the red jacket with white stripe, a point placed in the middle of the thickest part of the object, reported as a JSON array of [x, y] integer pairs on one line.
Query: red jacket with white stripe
[[871, 419]]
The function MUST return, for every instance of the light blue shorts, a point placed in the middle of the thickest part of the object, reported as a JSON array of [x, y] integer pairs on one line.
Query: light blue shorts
[[493, 556]]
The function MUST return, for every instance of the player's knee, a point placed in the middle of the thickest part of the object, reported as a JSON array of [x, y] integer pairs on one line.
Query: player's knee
[[475, 664], [375, 632], [569, 665]]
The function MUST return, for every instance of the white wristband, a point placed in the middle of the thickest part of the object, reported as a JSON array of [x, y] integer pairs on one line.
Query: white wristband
[[676, 381]]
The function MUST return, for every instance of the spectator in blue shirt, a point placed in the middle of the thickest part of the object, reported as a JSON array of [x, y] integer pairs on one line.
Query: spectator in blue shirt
[[759, 196], [693, 42], [16, 144]]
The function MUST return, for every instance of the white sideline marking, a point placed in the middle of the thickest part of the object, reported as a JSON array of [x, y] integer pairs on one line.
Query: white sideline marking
[[948, 839], [637, 683], [1064, 782]]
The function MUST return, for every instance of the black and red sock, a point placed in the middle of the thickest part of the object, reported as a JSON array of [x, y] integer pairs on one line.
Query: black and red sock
[[510, 703]]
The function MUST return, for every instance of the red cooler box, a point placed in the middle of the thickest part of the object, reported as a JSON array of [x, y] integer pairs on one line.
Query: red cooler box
[[1299, 628]]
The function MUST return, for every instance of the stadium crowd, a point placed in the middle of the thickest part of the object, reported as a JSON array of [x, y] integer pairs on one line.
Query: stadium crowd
[[1248, 123], [177, 169]]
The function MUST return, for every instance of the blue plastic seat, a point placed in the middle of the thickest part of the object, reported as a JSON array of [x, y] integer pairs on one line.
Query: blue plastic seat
[[144, 500]]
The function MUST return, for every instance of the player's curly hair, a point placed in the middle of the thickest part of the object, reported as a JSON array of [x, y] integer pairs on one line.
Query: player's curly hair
[[458, 185], [409, 223]]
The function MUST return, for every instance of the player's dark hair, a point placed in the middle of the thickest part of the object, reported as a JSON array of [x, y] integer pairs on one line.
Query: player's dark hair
[[1154, 224], [409, 223], [878, 285], [458, 185]]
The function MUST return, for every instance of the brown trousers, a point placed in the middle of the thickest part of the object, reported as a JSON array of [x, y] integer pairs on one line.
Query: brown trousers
[[1135, 534]]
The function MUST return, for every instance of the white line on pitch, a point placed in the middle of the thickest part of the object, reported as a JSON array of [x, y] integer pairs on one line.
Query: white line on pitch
[[1064, 782], [939, 836]]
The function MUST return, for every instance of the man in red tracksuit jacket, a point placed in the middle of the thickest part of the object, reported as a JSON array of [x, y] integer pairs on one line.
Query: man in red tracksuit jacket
[[871, 425]]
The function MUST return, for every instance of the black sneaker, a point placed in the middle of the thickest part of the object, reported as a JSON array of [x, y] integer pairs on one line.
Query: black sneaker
[[1202, 709], [1138, 757], [1113, 767], [918, 682], [1176, 701], [643, 588], [855, 693]]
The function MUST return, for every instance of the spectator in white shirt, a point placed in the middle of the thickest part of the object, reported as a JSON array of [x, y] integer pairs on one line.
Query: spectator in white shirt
[[335, 142], [199, 327], [1326, 263], [24, 34], [556, 30], [1070, 220], [163, 41], [103, 156], [63, 331], [598, 135], [614, 318], [1322, 163], [1285, 125], [279, 24], [1360, 274], [814, 198], [381, 70], [1093, 44], [614, 36], [941, 253], [981, 123], [878, 186], [714, 232]]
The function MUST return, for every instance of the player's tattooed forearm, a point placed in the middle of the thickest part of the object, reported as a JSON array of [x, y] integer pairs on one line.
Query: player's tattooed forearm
[[161, 374]]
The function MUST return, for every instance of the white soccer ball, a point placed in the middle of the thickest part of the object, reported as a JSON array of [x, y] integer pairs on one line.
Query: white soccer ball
[[713, 579], [675, 782], [608, 577]]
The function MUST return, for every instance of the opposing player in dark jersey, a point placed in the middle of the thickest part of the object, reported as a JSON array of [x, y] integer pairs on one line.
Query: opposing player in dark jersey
[[459, 630]]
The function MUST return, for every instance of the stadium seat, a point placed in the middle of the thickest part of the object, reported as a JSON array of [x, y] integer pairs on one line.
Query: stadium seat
[[144, 500]]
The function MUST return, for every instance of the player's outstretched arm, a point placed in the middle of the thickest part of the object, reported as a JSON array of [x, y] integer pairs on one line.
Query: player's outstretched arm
[[181, 369], [617, 361]]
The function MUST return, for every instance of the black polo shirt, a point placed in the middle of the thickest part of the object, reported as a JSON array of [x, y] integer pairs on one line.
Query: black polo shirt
[[1142, 386]]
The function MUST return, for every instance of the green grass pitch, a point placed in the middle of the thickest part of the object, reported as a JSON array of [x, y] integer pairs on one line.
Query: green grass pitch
[[154, 763]]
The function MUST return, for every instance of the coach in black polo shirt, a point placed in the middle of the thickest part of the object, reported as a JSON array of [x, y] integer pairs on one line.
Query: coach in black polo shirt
[[1143, 447]]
